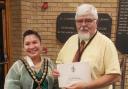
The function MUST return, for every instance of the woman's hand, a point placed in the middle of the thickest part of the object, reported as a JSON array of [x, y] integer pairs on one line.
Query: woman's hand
[[55, 73]]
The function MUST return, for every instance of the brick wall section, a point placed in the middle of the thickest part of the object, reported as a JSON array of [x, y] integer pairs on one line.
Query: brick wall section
[[16, 28], [28, 14]]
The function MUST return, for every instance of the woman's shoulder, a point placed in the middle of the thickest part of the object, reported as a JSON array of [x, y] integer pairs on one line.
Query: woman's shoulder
[[47, 58], [17, 63], [50, 61], [17, 66]]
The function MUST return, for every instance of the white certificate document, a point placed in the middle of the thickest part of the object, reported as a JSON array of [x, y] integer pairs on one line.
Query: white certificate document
[[73, 72]]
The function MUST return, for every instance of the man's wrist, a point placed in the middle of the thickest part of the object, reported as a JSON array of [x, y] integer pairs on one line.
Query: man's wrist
[[86, 87]]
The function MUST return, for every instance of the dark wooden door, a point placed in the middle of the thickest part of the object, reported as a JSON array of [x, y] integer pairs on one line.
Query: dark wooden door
[[2, 59]]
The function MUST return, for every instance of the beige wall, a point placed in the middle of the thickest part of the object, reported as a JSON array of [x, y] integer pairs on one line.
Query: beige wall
[[27, 14]]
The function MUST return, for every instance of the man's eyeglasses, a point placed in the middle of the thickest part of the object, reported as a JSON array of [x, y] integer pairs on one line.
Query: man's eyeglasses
[[88, 21]]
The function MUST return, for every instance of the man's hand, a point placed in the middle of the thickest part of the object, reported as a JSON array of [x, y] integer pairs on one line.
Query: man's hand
[[77, 85]]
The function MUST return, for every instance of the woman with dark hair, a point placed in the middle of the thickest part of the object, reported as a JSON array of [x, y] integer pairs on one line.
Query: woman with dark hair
[[32, 71]]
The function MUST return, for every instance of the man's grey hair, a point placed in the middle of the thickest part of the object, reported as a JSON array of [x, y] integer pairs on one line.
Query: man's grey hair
[[85, 9]]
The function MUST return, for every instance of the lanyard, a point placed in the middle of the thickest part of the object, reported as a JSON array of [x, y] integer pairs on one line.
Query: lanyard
[[85, 46]]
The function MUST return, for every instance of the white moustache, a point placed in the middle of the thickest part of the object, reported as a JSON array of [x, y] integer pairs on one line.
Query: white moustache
[[83, 28]]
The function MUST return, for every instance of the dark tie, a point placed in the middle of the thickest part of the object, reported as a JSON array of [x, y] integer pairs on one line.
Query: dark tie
[[79, 52]]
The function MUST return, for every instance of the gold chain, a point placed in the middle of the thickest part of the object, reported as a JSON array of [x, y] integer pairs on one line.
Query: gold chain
[[32, 73]]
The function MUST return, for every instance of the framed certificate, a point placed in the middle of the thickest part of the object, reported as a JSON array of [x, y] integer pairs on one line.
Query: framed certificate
[[73, 72]]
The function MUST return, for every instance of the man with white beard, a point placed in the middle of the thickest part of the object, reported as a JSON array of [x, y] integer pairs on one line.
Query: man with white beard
[[99, 51]]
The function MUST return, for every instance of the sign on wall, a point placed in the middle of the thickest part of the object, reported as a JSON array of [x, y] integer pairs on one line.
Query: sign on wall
[[104, 24], [122, 27], [65, 26]]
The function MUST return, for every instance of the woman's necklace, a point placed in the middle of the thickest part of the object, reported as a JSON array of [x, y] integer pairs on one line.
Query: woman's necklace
[[32, 73]]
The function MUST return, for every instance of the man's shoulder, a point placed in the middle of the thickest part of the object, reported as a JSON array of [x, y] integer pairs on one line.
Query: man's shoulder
[[75, 36], [102, 36]]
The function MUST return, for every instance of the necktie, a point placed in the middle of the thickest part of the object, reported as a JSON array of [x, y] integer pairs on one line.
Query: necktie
[[79, 52]]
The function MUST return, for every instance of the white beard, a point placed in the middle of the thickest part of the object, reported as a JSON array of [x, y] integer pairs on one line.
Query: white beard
[[84, 36]]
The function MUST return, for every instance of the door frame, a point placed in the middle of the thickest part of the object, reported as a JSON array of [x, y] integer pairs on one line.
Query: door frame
[[6, 35]]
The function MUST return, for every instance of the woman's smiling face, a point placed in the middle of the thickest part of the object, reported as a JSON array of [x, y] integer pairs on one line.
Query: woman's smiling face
[[32, 46]]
